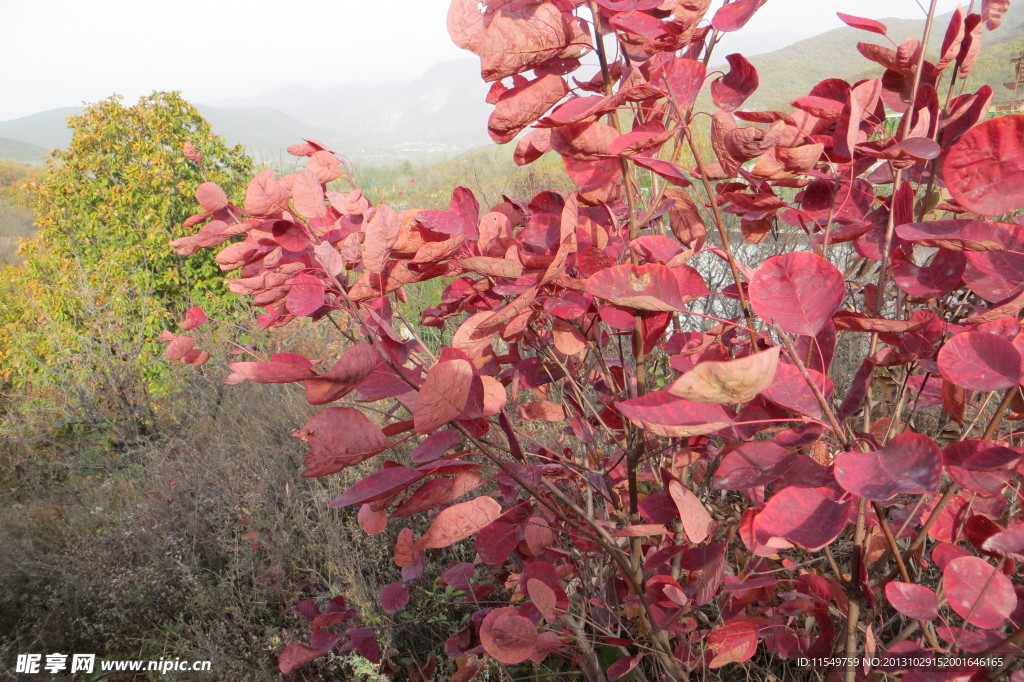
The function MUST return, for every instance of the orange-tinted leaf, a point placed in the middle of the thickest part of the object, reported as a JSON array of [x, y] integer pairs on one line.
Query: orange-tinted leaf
[[459, 522]]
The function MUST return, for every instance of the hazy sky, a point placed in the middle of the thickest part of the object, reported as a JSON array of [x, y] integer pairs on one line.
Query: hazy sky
[[57, 53]]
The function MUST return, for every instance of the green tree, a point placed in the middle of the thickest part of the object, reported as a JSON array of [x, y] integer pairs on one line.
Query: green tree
[[78, 319]]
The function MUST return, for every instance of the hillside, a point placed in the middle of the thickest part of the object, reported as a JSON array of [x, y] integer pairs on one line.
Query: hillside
[[789, 73], [443, 113]]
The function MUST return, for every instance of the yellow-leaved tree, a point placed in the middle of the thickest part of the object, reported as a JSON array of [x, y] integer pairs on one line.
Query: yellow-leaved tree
[[79, 315]]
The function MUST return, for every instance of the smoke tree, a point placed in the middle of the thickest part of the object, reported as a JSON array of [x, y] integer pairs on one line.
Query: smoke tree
[[641, 439]]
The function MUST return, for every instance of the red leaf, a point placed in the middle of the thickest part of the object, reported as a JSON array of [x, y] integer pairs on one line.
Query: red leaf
[[394, 597], [266, 197], [496, 541], [193, 318], [980, 361], [179, 347], [211, 197], [731, 381], [732, 89], [623, 666], [984, 170], [508, 637], [913, 601], [790, 390], [385, 483], [282, 368], [752, 464], [799, 291], [339, 437], [666, 169], [510, 37], [584, 141], [1009, 542], [862, 23], [910, 464], [436, 492], [665, 415], [296, 655], [697, 523], [647, 287], [345, 376], [809, 517], [450, 388], [306, 295], [978, 591], [684, 78], [523, 104], [372, 522], [992, 12], [543, 597], [735, 15], [734, 643], [458, 522], [308, 195]]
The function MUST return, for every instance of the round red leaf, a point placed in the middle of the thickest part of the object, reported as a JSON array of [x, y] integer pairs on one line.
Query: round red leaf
[[980, 361], [508, 637], [978, 591], [394, 597], [913, 601], [799, 291], [910, 464], [984, 170]]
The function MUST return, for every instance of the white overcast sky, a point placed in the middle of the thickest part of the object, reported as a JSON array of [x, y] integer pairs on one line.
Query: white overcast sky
[[57, 53]]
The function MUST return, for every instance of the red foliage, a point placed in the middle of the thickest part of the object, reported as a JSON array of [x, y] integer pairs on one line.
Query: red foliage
[[650, 443]]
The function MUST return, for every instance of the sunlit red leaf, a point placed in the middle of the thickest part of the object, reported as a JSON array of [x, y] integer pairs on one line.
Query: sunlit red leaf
[[345, 376], [211, 197], [446, 392], [645, 287], [508, 637], [913, 601], [731, 381], [978, 591], [697, 523], [910, 464], [282, 368], [980, 361], [992, 12], [1009, 542], [665, 415], [523, 104], [266, 197], [752, 464], [458, 522], [384, 483], [984, 170], [799, 291], [862, 23], [735, 15], [339, 437], [308, 195], [731, 90], [809, 517], [734, 643]]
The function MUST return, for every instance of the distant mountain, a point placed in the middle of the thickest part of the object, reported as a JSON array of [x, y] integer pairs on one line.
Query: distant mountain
[[265, 132], [442, 112], [23, 153]]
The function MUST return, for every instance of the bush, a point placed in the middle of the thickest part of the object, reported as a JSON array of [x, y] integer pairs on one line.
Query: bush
[[633, 438]]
